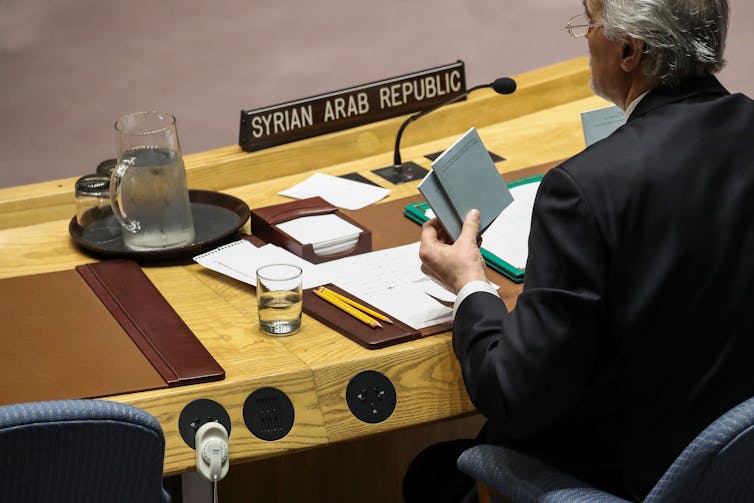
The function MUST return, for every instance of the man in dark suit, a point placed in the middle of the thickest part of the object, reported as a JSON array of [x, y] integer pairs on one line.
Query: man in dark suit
[[635, 328]]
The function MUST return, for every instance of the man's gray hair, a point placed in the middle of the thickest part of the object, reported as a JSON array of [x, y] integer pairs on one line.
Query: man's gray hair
[[682, 38]]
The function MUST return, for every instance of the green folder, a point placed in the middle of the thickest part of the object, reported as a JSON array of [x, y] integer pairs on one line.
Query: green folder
[[418, 213]]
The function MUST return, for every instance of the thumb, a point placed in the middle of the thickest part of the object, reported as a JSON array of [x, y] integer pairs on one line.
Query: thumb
[[470, 229]]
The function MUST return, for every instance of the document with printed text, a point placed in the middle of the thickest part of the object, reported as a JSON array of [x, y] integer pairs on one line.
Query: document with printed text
[[391, 280]]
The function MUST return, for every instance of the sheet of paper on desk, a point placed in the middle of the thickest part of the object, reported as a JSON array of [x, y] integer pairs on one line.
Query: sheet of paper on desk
[[337, 191], [392, 281], [508, 236], [241, 259]]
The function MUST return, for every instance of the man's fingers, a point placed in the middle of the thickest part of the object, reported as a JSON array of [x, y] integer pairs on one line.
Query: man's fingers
[[429, 230], [470, 229], [426, 270]]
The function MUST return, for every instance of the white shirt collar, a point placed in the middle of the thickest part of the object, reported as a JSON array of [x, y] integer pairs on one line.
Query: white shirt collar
[[632, 106]]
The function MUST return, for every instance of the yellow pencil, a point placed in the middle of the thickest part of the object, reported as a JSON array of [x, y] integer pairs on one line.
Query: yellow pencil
[[326, 296], [355, 304]]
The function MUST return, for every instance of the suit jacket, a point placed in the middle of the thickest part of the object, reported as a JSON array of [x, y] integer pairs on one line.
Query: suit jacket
[[635, 328]]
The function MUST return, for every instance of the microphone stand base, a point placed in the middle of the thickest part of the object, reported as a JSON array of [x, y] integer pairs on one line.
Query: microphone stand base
[[406, 172]]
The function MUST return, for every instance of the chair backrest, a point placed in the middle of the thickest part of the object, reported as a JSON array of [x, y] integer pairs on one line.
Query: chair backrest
[[80, 450], [718, 465]]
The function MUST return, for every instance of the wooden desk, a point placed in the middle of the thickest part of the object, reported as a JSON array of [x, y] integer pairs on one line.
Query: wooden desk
[[538, 124]]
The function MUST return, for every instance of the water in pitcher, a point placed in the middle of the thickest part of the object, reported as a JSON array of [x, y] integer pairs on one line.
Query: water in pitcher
[[155, 195]]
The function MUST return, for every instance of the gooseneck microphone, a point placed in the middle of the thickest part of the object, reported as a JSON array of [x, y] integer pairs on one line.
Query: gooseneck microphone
[[503, 85]]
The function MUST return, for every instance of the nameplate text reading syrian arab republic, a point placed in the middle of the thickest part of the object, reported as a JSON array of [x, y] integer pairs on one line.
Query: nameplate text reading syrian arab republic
[[325, 113]]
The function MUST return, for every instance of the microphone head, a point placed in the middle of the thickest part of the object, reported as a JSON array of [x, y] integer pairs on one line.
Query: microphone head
[[504, 85]]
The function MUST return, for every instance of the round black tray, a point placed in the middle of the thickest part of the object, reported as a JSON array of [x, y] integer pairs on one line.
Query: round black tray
[[216, 217]]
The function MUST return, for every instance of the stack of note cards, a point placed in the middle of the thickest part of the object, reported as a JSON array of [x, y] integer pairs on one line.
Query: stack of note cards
[[328, 234]]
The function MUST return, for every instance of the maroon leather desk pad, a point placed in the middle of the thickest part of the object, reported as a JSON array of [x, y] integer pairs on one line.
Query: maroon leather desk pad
[[102, 329], [358, 331]]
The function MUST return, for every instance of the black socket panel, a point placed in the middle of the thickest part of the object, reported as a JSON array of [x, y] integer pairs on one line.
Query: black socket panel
[[197, 413], [371, 396]]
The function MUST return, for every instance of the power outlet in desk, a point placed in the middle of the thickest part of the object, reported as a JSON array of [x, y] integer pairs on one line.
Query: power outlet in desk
[[371, 396], [196, 414]]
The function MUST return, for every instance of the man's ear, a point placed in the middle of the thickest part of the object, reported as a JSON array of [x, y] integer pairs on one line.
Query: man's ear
[[631, 54]]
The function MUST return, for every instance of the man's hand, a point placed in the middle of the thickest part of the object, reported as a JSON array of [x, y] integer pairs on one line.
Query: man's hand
[[452, 264]]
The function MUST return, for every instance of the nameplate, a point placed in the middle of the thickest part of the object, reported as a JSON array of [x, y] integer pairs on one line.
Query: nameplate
[[287, 122]]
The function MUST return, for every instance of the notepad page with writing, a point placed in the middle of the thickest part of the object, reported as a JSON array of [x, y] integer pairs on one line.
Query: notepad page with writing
[[391, 280]]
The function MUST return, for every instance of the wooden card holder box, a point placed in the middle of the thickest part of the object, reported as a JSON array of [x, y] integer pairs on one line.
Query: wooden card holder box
[[264, 225]]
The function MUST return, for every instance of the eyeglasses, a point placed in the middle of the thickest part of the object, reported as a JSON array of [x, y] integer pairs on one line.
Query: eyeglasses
[[579, 26]]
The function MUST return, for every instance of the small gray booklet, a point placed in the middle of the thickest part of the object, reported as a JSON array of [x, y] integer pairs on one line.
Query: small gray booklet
[[463, 178], [599, 124]]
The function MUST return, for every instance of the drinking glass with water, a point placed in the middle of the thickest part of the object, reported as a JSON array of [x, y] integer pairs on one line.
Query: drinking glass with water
[[148, 189], [279, 300]]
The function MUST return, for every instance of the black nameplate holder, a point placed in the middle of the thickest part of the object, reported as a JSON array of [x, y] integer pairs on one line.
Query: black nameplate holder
[[292, 121]]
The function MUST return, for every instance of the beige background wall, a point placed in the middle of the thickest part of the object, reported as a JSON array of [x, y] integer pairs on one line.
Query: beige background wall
[[70, 68]]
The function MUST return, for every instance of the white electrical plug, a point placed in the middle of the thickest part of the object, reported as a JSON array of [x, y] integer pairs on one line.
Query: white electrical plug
[[212, 451]]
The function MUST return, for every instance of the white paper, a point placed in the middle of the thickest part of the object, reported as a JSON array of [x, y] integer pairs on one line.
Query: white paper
[[439, 292], [391, 280], [319, 228], [241, 259], [508, 236], [328, 234], [337, 191]]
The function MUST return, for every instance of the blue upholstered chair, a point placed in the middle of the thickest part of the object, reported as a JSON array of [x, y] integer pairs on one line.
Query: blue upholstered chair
[[718, 465], [80, 451]]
